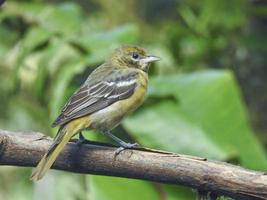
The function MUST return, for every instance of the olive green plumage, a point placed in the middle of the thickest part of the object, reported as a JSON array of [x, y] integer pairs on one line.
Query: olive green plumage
[[111, 92]]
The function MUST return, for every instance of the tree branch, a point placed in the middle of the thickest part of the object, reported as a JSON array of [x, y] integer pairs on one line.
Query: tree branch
[[26, 149]]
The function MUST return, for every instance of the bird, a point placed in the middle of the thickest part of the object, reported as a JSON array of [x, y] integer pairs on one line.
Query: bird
[[110, 93]]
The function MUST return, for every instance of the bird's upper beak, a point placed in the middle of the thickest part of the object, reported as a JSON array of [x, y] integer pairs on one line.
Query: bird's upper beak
[[150, 59], [145, 62]]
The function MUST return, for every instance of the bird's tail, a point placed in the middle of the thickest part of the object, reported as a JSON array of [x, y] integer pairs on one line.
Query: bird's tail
[[64, 135]]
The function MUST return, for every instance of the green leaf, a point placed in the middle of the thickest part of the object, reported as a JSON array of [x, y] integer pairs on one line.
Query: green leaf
[[10, 38], [221, 14], [110, 38], [34, 37], [74, 183], [64, 18], [210, 111], [58, 91], [54, 58], [168, 128], [178, 192], [106, 188], [24, 115], [28, 11], [102, 187]]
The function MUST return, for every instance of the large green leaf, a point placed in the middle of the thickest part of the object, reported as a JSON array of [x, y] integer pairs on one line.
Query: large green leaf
[[166, 127], [210, 119], [106, 188]]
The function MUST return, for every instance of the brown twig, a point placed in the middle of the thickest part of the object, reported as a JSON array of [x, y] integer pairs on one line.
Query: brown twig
[[26, 149]]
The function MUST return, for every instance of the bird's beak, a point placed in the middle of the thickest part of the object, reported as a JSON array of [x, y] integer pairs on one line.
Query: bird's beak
[[150, 59]]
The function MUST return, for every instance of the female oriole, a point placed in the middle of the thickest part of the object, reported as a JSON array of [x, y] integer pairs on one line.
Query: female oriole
[[111, 92]]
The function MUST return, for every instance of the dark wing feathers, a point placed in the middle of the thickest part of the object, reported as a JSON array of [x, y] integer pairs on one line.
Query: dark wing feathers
[[91, 98]]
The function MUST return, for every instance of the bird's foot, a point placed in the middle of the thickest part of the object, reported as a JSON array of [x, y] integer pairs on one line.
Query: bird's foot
[[81, 140], [125, 145]]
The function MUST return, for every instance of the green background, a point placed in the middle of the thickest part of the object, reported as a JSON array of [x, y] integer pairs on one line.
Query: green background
[[207, 96]]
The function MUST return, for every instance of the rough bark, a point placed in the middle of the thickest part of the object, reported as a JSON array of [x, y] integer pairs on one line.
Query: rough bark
[[26, 149]]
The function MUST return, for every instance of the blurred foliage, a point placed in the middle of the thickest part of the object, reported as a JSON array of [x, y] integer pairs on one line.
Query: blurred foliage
[[217, 123], [48, 49]]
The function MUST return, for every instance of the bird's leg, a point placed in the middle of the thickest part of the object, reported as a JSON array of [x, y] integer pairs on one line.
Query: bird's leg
[[124, 145], [81, 139]]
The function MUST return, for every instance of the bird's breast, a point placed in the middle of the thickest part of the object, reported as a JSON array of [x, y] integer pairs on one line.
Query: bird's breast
[[111, 116]]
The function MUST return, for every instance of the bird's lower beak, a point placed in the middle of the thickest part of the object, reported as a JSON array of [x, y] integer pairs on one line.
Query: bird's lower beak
[[150, 59]]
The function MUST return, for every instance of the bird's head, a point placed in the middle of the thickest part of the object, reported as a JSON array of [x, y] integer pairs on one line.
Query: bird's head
[[132, 56]]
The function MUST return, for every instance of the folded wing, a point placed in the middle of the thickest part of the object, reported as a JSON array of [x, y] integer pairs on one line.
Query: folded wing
[[92, 98]]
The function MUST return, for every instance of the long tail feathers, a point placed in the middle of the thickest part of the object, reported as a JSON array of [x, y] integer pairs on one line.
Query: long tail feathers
[[49, 158]]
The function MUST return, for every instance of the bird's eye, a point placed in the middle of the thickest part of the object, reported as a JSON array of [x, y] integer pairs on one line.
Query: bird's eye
[[135, 56]]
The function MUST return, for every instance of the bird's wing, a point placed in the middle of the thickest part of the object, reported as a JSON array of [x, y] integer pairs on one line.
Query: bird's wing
[[91, 98]]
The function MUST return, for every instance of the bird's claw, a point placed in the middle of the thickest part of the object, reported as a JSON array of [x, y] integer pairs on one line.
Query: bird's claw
[[81, 139], [80, 142], [125, 146], [128, 145]]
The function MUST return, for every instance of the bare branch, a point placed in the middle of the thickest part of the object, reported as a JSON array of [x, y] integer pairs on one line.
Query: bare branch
[[26, 149]]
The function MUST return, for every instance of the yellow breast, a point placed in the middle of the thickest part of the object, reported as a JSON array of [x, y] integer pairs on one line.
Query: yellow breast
[[111, 116]]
